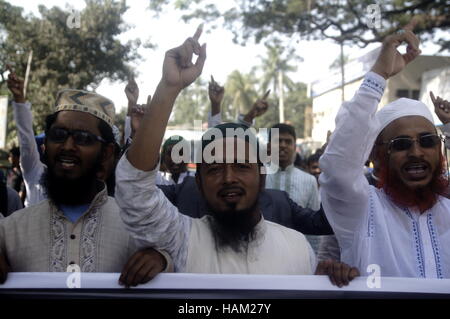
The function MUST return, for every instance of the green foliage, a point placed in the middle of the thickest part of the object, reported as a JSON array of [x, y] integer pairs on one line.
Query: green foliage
[[242, 90], [192, 104], [64, 57], [340, 20]]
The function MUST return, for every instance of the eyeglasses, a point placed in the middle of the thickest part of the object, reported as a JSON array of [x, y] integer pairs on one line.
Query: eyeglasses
[[83, 138], [405, 143]]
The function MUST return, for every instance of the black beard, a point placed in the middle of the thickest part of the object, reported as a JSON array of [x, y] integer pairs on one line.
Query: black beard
[[71, 192], [234, 228]]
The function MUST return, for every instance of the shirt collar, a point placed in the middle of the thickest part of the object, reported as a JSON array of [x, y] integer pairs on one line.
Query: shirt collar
[[100, 198]]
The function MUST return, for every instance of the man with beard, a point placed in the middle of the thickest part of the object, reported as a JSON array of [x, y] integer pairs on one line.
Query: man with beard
[[404, 225], [78, 223], [234, 238]]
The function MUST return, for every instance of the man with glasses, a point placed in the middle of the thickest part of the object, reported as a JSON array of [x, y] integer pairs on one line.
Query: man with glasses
[[78, 224], [403, 226]]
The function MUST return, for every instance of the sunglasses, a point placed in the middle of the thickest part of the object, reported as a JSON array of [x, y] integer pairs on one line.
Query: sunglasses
[[405, 143], [83, 138]]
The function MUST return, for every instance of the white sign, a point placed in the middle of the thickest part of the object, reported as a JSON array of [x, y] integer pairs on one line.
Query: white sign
[[3, 118]]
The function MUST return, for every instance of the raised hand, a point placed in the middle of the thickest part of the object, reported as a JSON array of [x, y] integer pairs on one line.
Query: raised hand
[[441, 108], [215, 92], [15, 85], [137, 113], [261, 105], [178, 69], [391, 61], [132, 91], [259, 108]]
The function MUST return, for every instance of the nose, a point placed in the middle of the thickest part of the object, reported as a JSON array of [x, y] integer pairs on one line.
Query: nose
[[229, 176], [69, 143], [416, 149]]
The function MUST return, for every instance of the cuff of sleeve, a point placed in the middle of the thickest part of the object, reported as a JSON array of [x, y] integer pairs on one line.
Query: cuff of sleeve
[[26, 104], [242, 121], [169, 262], [375, 83], [214, 117]]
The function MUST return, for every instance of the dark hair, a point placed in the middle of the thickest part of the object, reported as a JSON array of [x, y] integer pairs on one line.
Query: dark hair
[[313, 158], [15, 151], [284, 128], [223, 129], [106, 131]]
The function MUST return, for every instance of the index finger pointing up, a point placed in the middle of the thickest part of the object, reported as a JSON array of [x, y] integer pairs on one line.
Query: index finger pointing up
[[433, 99], [411, 25], [266, 94], [198, 32]]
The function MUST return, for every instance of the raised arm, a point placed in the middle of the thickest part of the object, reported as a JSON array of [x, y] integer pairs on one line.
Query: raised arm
[[150, 217], [442, 110], [30, 162], [258, 108], [344, 189]]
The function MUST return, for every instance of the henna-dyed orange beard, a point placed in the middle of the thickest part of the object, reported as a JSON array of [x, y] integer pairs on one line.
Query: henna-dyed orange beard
[[422, 198]]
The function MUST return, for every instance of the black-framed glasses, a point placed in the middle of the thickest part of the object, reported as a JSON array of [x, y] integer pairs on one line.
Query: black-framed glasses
[[83, 138], [405, 143]]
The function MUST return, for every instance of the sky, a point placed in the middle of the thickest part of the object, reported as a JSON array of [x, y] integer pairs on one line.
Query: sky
[[223, 56]]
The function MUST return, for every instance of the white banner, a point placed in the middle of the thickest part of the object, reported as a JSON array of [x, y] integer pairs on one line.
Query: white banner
[[174, 281]]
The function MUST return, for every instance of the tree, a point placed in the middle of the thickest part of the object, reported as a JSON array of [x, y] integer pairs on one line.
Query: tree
[[240, 94], [339, 20], [275, 67], [64, 57], [192, 104]]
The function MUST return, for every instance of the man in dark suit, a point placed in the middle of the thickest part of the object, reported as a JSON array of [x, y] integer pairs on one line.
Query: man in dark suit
[[275, 205]]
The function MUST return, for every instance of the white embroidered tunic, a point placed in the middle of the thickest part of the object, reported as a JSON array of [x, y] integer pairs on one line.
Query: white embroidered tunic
[[41, 239], [154, 221], [370, 228]]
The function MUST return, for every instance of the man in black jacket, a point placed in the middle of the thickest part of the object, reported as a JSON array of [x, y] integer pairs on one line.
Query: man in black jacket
[[275, 205]]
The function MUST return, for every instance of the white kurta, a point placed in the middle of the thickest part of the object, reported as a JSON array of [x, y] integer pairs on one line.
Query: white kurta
[[370, 228], [154, 221], [301, 186], [30, 163]]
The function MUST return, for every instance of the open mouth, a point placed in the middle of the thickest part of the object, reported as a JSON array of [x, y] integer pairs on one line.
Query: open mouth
[[416, 171], [231, 194], [67, 162]]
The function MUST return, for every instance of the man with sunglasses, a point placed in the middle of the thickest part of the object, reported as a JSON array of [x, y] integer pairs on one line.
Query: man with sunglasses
[[78, 224], [403, 226]]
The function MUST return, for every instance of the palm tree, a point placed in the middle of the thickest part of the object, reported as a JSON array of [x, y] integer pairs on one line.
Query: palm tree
[[275, 67], [240, 92]]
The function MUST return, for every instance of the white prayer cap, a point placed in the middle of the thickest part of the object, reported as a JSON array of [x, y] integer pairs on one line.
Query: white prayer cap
[[400, 108]]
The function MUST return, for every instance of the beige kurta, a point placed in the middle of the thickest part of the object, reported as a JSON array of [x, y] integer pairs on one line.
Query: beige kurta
[[41, 239]]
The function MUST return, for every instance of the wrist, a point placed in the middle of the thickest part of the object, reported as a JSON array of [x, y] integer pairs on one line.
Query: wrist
[[19, 99], [380, 73], [249, 117]]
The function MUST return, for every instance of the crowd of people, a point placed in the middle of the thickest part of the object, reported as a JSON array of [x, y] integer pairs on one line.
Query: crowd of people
[[123, 204]]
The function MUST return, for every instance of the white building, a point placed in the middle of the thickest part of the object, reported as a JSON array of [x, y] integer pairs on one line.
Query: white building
[[425, 73]]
